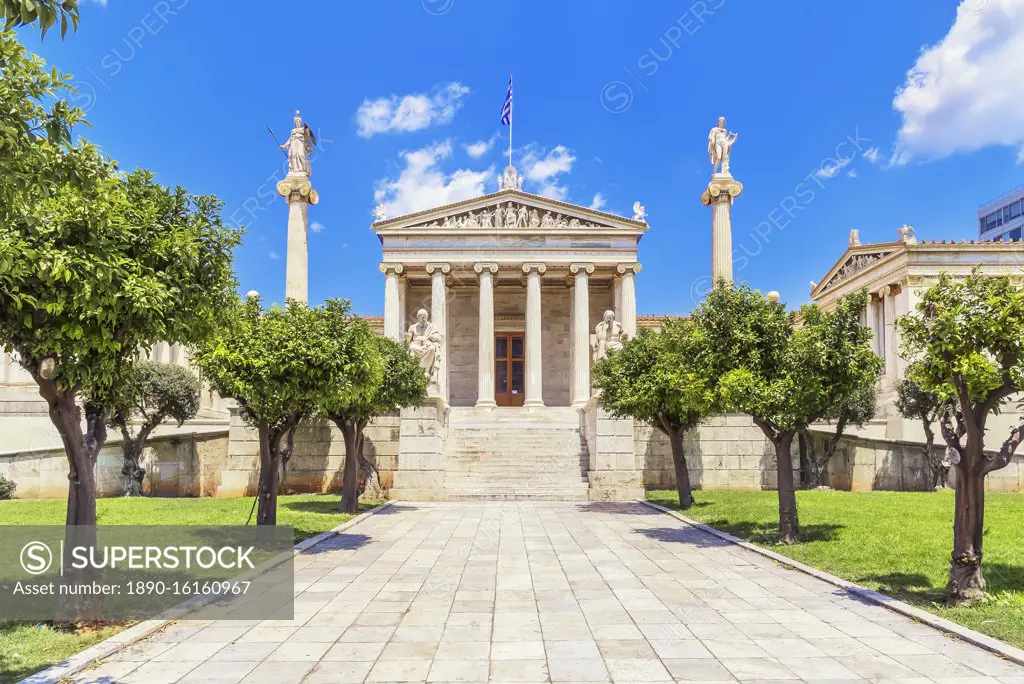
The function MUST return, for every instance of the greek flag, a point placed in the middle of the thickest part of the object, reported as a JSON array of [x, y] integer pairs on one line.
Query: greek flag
[[506, 109]]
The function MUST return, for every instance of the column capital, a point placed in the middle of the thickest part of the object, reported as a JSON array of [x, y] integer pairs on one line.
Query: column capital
[[492, 268], [885, 291], [444, 268], [297, 190], [539, 268], [631, 267], [387, 267], [576, 268], [721, 189]]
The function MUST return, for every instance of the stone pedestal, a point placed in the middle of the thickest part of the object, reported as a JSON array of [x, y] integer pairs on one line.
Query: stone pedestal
[[720, 194], [420, 472], [299, 193], [613, 474]]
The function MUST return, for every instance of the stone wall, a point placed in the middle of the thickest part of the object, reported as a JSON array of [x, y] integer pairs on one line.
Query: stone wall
[[730, 452], [613, 474], [176, 465], [316, 462]]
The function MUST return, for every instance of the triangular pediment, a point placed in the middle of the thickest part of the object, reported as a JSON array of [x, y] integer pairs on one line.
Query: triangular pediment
[[511, 210], [854, 260]]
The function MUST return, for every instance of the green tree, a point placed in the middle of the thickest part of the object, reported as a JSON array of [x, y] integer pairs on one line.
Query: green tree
[[282, 366], [655, 378], [917, 404], [146, 394], [44, 12], [402, 383], [966, 346], [852, 410], [93, 273], [786, 377]]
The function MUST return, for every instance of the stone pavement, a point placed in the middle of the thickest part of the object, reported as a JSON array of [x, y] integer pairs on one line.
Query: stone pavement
[[537, 592]]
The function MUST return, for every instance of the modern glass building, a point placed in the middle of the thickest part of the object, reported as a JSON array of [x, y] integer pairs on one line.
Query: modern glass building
[[1002, 218]]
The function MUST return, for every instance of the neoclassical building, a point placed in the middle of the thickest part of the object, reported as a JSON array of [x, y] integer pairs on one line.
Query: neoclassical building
[[517, 285]]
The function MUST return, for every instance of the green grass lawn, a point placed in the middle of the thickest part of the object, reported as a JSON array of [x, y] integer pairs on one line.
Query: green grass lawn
[[26, 647], [898, 543]]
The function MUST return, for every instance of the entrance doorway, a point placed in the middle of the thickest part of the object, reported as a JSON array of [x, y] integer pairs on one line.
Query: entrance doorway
[[509, 369]]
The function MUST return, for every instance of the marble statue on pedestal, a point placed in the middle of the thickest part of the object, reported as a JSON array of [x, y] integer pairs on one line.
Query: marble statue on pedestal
[[720, 143], [424, 342], [608, 336], [299, 148]]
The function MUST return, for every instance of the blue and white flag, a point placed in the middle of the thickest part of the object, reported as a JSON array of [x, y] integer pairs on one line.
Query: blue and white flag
[[506, 109]]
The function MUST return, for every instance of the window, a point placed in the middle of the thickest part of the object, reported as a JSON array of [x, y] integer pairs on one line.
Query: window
[[993, 220], [1014, 234], [1012, 211]]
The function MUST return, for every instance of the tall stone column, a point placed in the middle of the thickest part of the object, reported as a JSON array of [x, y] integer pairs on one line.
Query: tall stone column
[[534, 333], [581, 333], [439, 317], [889, 352], [299, 193], [720, 194], [392, 302], [627, 314], [485, 343], [403, 309], [872, 322]]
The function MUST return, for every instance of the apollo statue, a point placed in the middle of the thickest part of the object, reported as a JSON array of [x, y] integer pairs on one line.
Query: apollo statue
[[299, 147], [719, 146], [608, 336], [424, 342]]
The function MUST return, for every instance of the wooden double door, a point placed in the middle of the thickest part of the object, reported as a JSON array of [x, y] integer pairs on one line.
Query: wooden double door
[[509, 369]]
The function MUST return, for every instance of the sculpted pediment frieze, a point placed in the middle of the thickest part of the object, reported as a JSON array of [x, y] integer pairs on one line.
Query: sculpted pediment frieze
[[853, 265], [509, 214]]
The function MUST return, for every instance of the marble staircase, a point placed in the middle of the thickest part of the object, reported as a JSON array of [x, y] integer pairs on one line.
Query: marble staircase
[[515, 453]]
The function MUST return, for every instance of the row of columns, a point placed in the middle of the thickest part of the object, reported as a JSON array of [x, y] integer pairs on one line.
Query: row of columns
[[884, 306], [534, 273]]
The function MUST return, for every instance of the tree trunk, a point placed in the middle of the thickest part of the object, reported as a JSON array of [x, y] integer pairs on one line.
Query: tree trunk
[[81, 450], [266, 512], [132, 473], [350, 474], [370, 482], [940, 473], [675, 438], [789, 525], [966, 583], [806, 460]]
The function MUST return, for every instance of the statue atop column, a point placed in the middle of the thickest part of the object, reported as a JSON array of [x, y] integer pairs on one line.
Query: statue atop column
[[299, 147], [608, 336], [720, 143], [424, 342]]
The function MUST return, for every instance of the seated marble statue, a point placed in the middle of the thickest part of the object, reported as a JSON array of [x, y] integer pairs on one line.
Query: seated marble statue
[[608, 336], [424, 342]]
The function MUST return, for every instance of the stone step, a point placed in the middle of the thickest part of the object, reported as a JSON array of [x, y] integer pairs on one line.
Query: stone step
[[513, 496]]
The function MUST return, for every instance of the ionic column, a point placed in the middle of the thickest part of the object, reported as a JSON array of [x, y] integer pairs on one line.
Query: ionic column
[[439, 317], [872, 322], [581, 333], [720, 194], [534, 328], [485, 372], [627, 315], [889, 341], [392, 303], [299, 193]]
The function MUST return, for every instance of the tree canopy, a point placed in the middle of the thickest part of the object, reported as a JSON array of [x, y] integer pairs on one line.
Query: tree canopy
[[45, 13]]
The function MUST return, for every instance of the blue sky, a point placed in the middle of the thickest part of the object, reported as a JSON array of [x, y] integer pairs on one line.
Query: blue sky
[[613, 102]]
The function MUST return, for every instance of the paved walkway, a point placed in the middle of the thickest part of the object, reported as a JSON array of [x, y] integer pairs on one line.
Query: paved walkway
[[532, 592]]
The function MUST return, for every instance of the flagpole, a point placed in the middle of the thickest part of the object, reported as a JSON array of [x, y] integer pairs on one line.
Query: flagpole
[[510, 106]]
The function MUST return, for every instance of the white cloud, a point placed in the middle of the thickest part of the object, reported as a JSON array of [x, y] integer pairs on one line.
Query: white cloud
[[871, 154], [480, 147], [852, 173], [965, 92], [274, 256], [410, 112], [833, 166], [544, 168], [316, 226], [423, 184], [598, 202]]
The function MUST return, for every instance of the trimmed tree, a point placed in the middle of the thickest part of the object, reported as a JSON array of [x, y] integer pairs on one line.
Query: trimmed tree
[[282, 366], [852, 410], [967, 347], [917, 404], [92, 273], [147, 394], [655, 379], [786, 377], [402, 383]]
